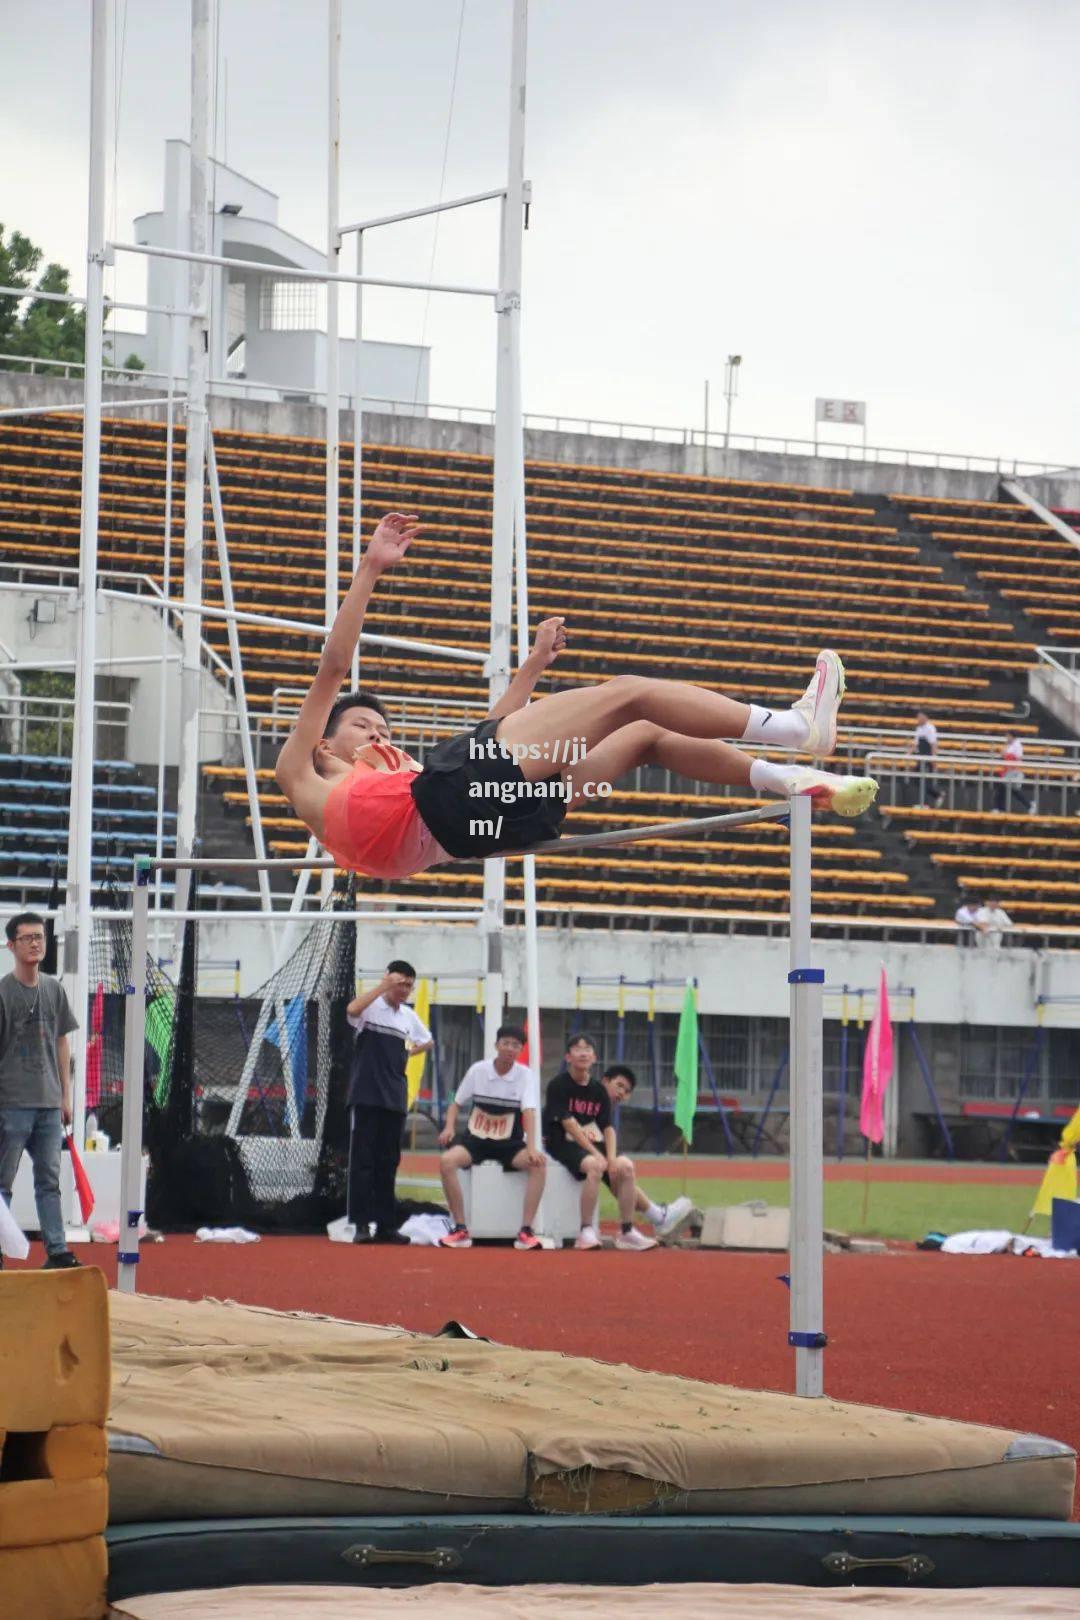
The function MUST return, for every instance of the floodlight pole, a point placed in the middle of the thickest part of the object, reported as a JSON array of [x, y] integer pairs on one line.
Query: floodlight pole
[[198, 365], [806, 1335], [80, 832], [508, 452]]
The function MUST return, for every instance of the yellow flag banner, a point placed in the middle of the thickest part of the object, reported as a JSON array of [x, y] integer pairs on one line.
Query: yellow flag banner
[[414, 1069], [1060, 1178]]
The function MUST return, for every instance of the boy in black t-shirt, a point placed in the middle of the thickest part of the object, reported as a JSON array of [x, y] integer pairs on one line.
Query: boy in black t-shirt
[[579, 1135]]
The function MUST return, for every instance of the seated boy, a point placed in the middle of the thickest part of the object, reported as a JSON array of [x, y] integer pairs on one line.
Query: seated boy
[[377, 812], [502, 1097], [579, 1135]]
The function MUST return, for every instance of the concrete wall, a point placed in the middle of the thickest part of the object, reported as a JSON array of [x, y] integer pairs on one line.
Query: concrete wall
[[306, 421]]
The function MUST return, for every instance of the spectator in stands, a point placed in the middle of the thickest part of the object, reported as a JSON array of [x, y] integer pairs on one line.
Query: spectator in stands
[[1010, 783], [388, 1034], [992, 923], [666, 1219], [926, 741], [966, 922], [378, 812], [35, 1079], [502, 1099], [578, 1134]]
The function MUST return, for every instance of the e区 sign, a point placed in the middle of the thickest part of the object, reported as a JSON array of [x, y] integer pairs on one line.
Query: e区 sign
[[851, 412]]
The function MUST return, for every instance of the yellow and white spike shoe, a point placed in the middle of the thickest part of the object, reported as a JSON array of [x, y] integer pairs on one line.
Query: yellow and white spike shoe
[[820, 704], [845, 795]]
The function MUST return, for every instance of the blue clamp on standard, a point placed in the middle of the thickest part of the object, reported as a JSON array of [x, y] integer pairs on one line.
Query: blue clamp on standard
[[128, 1259], [143, 871], [806, 976], [134, 1216], [808, 1341]]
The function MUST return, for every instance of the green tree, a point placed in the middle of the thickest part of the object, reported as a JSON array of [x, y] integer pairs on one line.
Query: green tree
[[45, 330]]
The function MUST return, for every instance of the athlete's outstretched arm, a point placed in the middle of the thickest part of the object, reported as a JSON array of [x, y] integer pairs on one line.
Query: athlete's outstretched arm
[[386, 547], [549, 643]]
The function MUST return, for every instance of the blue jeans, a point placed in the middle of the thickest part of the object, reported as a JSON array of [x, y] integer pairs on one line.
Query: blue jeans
[[37, 1131]]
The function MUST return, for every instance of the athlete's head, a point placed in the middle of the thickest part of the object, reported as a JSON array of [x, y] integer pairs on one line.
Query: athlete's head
[[509, 1043], [580, 1056], [356, 719], [618, 1081], [402, 977]]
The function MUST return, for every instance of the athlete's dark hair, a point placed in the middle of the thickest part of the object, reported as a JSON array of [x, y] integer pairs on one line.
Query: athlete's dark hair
[[25, 919], [620, 1071], [401, 967], [352, 700], [514, 1030], [573, 1040]]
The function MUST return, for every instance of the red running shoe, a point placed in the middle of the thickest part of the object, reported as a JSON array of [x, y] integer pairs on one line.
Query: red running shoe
[[527, 1239], [457, 1238]]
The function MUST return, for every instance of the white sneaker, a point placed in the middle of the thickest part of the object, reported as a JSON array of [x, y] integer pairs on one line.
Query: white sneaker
[[588, 1238], [635, 1240], [819, 705], [846, 795], [676, 1214]]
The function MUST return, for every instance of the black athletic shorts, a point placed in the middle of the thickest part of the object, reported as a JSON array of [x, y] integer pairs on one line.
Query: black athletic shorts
[[479, 1149], [571, 1155], [473, 824]]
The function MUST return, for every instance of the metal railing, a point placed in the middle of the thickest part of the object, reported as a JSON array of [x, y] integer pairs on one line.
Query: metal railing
[[27, 720], [974, 781], [652, 432]]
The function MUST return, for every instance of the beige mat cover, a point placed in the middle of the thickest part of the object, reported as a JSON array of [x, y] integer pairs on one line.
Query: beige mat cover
[[222, 1398], [705, 1602]]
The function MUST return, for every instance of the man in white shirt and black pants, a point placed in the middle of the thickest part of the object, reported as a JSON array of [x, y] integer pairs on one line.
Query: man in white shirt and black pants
[[500, 1098], [388, 1034]]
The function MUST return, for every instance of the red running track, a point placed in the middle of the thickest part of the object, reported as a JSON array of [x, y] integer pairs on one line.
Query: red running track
[[991, 1338]]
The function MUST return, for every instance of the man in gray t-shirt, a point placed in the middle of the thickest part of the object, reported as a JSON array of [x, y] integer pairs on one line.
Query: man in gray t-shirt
[[35, 1078]]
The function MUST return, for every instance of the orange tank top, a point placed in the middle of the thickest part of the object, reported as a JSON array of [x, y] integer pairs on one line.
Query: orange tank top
[[371, 823]]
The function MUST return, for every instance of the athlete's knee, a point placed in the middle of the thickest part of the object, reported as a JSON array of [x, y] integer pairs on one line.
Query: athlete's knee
[[594, 1167]]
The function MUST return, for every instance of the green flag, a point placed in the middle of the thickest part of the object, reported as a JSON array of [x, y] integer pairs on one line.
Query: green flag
[[686, 1065]]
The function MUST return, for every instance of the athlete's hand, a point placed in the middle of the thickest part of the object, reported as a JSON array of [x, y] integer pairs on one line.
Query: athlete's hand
[[534, 1158], [550, 641], [446, 1136], [391, 540]]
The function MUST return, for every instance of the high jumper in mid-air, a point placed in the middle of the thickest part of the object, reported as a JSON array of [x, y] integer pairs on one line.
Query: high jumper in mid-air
[[506, 785]]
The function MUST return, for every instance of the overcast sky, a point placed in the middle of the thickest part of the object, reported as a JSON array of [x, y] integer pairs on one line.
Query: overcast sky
[[870, 199]]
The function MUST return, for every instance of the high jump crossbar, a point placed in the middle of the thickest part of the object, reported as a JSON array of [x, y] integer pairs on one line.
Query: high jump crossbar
[[310, 627], [111, 304], [286, 271], [806, 989]]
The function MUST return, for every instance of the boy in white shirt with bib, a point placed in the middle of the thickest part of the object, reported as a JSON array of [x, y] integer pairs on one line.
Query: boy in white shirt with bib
[[500, 1098]]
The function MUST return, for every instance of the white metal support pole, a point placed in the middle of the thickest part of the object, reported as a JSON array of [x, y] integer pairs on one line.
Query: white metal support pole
[[528, 865], [134, 1087], [195, 457], [333, 255], [807, 1335], [333, 355], [243, 719], [358, 435], [80, 835], [166, 589], [504, 496]]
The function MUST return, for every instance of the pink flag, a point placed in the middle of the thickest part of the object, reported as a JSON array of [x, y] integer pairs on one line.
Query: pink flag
[[93, 1049], [877, 1067]]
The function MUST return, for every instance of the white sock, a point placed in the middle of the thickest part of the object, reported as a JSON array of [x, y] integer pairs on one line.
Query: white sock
[[766, 777], [782, 728], [655, 1212]]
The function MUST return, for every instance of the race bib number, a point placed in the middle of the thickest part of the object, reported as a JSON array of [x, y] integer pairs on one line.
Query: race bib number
[[593, 1131], [490, 1127]]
